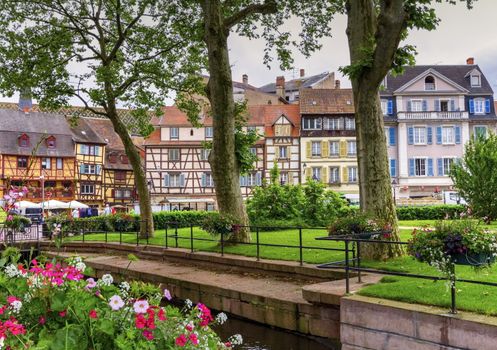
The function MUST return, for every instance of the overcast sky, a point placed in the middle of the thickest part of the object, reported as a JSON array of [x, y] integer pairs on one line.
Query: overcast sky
[[461, 34]]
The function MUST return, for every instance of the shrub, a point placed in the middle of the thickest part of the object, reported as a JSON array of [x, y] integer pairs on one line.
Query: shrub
[[219, 225], [431, 212], [357, 223]]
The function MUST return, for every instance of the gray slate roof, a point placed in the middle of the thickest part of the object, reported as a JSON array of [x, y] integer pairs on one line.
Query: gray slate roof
[[295, 84], [456, 73], [83, 133], [36, 126]]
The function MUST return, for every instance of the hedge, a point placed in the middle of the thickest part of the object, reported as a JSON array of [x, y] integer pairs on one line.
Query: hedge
[[430, 212]]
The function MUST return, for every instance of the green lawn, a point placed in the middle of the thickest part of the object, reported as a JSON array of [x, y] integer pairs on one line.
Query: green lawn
[[470, 297]]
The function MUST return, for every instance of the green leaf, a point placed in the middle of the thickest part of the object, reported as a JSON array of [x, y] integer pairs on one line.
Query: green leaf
[[70, 337], [105, 326], [58, 301]]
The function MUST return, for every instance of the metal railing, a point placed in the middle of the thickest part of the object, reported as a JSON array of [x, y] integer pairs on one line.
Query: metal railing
[[354, 265], [9, 235]]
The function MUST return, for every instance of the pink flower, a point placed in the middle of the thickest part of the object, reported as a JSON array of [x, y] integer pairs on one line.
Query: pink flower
[[161, 315], [147, 334], [63, 313], [167, 294], [181, 340], [116, 302], [141, 306], [90, 283], [140, 321], [93, 314], [194, 339]]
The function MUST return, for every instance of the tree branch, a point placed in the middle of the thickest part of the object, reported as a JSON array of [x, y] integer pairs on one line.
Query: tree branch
[[268, 7]]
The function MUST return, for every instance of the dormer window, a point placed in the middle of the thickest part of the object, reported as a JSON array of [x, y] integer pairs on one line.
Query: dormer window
[[23, 140], [124, 159], [475, 80], [51, 142], [429, 83], [112, 158]]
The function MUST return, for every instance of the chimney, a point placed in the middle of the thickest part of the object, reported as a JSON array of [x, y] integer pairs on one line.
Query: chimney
[[470, 61], [280, 86], [25, 102], [245, 79], [337, 84], [302, 72]]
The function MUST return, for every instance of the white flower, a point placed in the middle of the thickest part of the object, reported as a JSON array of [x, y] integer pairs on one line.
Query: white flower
[[16, 306], [116, 302], [188, 303], [12, 271], [124, 286], [221, 318], [2, 339], [106, 280], [236, 339], [140, 306], [80, 266]]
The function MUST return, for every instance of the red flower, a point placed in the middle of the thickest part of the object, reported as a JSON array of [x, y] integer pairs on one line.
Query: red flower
[[62, 313], [147, 334], [161, 315], [181, 340], [140, 321], [93, 314], [227, 344], [194, 339], [42, 320]]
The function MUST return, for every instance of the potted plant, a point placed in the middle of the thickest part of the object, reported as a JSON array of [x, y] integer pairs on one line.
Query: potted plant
[[360, 226], [462, 242]]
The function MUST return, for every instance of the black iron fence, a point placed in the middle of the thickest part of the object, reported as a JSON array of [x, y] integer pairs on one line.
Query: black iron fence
[[10, 235], [353, 264]]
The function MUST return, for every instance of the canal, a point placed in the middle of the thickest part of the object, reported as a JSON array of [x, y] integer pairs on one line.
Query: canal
[[261, 337]]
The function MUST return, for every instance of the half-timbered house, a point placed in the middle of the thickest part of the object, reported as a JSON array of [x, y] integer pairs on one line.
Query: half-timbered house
[[176, 161], [89, 148], [36, 151]]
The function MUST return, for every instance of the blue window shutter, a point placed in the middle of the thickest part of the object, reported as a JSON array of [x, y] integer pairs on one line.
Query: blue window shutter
[[457, 132], [425, 105], [258, 179], [487, 106], [408, 106], [452, 105], [429, 135], [390, 107], [458, 161], [437, 105], [241, 180], [439, 135], [81, 168], [440, 167], [97, 150], [204, 180], [471, 106], [393, 168], [410, 135], [411, 167], [99, 168], [182, 180], [391, 136], [166, 180], [430, 167]]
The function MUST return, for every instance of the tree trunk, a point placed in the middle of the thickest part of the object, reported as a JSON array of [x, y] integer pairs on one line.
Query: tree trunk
[[223, 160], [147, 220], [374, 40]]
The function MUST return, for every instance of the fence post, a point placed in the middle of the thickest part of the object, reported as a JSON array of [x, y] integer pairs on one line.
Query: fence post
[[359, 262], [83, 230], [137, 237], [176, 233], [146, 225], [222, 244], [191, 238], [106, 238], [165, 232], [347, 286], [453, 308], [120, 237], [257, 242], [301, 252]]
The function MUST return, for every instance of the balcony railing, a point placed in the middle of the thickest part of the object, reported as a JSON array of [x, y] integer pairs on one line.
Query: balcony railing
[[432, 115]]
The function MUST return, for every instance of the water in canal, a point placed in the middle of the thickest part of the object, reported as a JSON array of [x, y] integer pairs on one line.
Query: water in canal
[[260, 337]]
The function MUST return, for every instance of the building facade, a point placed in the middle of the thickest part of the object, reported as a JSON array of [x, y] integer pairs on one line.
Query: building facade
[[328, 138]]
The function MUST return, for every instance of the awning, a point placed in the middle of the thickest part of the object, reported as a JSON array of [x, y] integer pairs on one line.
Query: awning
[[188, 200], [54, 204], [76, 205], [26, 204]]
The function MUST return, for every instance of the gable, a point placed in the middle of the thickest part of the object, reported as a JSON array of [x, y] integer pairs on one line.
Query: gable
[[282, 120], [442, 84]]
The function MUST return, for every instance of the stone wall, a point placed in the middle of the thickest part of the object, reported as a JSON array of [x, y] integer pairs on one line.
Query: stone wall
[[370, 323]]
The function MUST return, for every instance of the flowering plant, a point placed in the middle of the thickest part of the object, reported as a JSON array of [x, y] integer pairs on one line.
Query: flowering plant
[[357, 224], [49, 305], [14, 221], [448, 241]]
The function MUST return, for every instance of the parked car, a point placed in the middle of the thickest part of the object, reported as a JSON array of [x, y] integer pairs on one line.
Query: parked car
[[34, 214], [453, 197]]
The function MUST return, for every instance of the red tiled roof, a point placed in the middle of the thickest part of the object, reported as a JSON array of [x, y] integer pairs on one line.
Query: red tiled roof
[[173, 116], [326, 101], [274, 112]]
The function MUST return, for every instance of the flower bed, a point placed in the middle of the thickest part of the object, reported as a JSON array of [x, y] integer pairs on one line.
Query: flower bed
[[50, 306], [360, 226]]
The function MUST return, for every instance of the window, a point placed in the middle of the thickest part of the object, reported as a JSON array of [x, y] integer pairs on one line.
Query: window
[[444, 106], [124, 159], [283, 178], [207, 180], [446, 166], [46, 163], [122, 193], [251, 128], [316, 148], [208, 132], [480, 131], [120, 175], [90, 150], [173, 154], [51, 142], [416, 105], [349, 124], [282, 130], [253, 150], [282, 152], [352, 173], [351, 148], [475, 80], [174, 133], [59, 163], [311, 123], [447, 135], [419, 135], [24, 140], [384, 107], [87, 189], [333, 123], [334, 148], [22, 162], [89, 169], [174, 180], [316, 174], [251, 180], [204, 154], [112, 158], [479, 106], [49, 184], [429, 83], [420, 167], [334, 175]]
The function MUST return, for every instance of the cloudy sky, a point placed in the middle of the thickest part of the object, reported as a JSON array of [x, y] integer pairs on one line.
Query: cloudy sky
[[461, 34]]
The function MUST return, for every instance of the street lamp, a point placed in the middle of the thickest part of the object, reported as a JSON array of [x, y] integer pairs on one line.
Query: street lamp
[[394, 183]]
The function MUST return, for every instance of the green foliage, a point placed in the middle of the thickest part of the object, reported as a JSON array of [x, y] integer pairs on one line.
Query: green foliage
[[17, 222], [476, 176], [219, 224], [430, 212], [357, 223]]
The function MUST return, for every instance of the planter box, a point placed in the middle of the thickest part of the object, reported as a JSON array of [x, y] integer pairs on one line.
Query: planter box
[[473, 259]]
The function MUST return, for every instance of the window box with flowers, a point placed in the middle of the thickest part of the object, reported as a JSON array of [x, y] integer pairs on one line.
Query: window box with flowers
[[360, 226]]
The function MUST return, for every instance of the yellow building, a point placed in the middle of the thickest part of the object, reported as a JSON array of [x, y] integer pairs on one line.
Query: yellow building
[[36, 151], [328, 143]]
